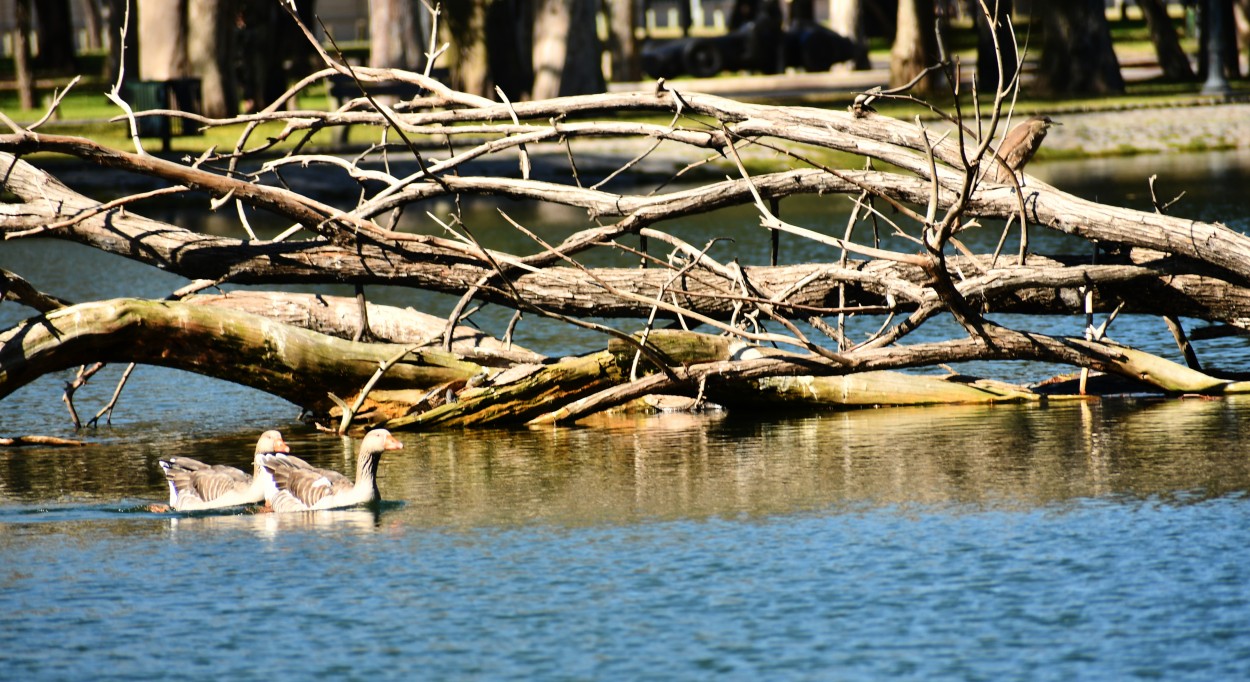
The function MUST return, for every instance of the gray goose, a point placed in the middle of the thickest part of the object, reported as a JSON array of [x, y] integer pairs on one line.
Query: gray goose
[[195, 485], [302, 487]]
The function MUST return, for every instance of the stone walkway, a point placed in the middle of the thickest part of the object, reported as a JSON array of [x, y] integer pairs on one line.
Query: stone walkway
[[1174, 128]]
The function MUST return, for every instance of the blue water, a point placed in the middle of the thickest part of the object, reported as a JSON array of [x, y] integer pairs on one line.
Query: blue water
[[1073, 541], [1091, 589]]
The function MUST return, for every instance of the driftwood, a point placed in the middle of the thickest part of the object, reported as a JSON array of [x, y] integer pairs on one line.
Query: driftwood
[[764, 335], [41, 441]]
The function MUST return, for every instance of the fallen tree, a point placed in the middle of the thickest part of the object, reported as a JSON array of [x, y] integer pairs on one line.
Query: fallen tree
[[754, 335]]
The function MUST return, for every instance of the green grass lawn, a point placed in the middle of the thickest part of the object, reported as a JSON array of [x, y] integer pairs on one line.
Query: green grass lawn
[[88, 113]]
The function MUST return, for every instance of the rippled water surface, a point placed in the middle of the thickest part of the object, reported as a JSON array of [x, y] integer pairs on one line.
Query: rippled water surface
[[1065, 542], [1101, 540]]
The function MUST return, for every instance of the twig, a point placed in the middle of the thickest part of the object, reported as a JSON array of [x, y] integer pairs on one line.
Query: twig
[[525, 156], [58, 94], [97, 210], [1182, 342], [1154, 198], [14, 288], [349, 413], [363, 333], [114, 93], [117, 392], [84, 374]]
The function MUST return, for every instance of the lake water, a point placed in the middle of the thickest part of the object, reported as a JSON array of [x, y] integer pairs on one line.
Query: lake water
[[1101, 540]]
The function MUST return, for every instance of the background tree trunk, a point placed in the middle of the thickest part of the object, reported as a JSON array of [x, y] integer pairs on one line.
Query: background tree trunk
[[1171, 57], [987, 56], [622, 43], [1241, 17], [55, 27], [510, 46], [116, 17], [915, 45], [265, 44], [846, 17], [210, 52], [566, 49], [466, 21], [1077, 55], [162, 28], [396, 36], [21, 55], [93, 17]]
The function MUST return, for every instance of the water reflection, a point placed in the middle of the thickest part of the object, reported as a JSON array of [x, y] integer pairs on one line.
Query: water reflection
[[630, 468], [269, 525], [624, 468]]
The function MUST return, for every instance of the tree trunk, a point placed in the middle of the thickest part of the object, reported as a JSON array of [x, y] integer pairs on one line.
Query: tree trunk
[[566, 49], [210, 51], [340, 317], [162, 39], [915, 46], [466, 21], [622, 43], [56, 38], [220, 343], [402, 387], [93, 17], [265, 44], [1241, 18], [846, 18], [995, 45], [116, 18], [1171, 57], [1077, 55], [396, 38], [21, 55], [1232, 61], [510, 46]]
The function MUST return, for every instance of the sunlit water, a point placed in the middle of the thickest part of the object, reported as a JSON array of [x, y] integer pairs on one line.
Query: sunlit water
[[1102, 540]]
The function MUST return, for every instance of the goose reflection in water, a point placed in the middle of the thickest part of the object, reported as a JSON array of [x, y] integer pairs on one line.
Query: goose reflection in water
[[266, 525]]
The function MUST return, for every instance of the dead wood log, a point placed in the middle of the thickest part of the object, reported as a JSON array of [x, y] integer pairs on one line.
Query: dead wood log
[[1184, 289], [1204, 269], [723, 369], [512, 401], [298, 365], [42, 441], [339, 316], [306, 367]]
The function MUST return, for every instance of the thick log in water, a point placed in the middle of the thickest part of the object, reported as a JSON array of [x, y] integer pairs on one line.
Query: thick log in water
[[426, 388], [340, 316], [298, 365]]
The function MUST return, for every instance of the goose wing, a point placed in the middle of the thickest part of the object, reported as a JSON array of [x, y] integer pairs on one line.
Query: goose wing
[[192, 480], [306, 484]]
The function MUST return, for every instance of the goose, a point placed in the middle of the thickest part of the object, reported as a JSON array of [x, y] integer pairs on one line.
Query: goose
[[304, 488], [195, 485]]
